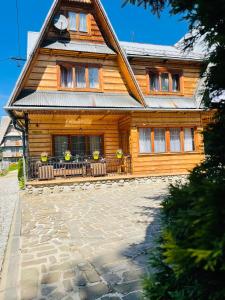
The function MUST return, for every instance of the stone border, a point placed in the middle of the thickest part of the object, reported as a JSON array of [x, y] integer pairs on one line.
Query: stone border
[[9, 288], [98, 184]]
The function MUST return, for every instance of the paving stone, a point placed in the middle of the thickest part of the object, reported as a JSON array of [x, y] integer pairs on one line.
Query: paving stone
[[34, 262], [133, 275], [56, 296], [50, 278], [92, 276], [29, 283], [68, 285], [69, 274], [133, 296], [93, 292], [80, 280], [46, 290], [129, 287], [84, 266]]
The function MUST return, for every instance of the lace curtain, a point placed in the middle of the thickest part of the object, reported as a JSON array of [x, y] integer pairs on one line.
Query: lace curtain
[[66, 77], [73, 21], [83, 23], [189, 139], [80, 77], [175, 145], [94, 78], [159, 142], [145, 140]]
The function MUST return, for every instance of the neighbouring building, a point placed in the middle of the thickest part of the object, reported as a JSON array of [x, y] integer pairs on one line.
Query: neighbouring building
[[84, 91], [10, 141]]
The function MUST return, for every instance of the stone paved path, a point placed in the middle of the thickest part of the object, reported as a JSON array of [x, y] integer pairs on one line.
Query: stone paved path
[[8, 199], [88, 244]]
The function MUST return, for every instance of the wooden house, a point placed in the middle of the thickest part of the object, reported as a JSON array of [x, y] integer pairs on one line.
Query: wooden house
[[10, 141], [83, 90]]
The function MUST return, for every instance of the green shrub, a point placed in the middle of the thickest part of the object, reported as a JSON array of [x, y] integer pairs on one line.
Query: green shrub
[[21, 179], [190, 258], [13, 167]]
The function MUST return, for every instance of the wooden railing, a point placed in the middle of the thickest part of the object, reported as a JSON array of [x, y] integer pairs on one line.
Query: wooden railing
[[57, 167]]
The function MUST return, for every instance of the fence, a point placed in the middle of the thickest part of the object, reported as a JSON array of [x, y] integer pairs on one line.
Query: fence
[[84, 167]]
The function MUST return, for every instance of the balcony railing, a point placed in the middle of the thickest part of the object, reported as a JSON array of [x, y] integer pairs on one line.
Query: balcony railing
[[57, 167]]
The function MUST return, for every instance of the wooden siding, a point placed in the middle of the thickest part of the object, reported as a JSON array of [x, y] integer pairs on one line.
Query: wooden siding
[[43, 127], [165, 163], [43, 75], [94, 33], [191, 74]]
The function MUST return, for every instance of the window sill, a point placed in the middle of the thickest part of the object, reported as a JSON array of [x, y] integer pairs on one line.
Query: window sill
[[166, 93], [80, 90], [169, 153], [80, 33]]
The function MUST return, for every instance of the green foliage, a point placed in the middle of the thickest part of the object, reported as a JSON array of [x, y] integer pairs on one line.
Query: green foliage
[[21, 179], [189, 261], [12, 167]]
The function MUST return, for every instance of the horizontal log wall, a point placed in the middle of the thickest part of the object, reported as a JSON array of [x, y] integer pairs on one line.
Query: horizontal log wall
[[94, 34], [166, 163], [42, 129], [43, 75], [191, 73]]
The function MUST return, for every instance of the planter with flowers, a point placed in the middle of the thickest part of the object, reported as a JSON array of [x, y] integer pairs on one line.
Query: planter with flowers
[[96, 155], [44, 157], [119, 153], [67, 155]]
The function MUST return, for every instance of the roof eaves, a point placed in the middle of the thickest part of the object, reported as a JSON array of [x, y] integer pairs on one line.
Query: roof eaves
[[28, 62]]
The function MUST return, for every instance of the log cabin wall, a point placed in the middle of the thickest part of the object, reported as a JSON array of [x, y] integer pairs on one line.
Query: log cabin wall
[[43, 74], [94, 33], [191, 73], [165, 163], [42, 128]]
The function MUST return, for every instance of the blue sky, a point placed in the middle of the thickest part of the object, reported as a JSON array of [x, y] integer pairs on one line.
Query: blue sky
[[130, 23]]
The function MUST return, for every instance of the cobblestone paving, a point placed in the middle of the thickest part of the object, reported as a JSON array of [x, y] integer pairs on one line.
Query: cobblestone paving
[[88, 244], [8, 198]]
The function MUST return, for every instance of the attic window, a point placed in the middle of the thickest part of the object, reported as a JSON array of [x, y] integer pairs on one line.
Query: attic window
[[165, 81], [78, 22], [79, 77]]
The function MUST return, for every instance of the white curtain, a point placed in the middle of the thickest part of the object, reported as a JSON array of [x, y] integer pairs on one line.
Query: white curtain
[[94, 78], [154, 82], [165, 81], [160, 141], [73, 21], [189, 139], [175, 82], [145, 140], [83, 23], [175, 145], [66, 77], [80, 77]]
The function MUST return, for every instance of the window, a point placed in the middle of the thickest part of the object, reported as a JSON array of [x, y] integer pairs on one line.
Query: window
[[66, 77], [165, 81], [82, 77], [175, 145], [159, 140], [79, 145], [78, 22], [189, 144], [162, 140], [154, 82], [145, 140]]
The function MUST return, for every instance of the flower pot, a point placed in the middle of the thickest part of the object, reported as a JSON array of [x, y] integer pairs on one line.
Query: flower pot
[[96, 157], [44, 159], [119, 155]]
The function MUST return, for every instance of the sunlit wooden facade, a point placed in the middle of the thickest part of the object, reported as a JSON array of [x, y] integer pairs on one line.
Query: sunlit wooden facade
[[84, 89]]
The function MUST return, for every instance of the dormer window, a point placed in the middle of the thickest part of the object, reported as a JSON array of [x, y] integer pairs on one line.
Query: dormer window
[[165, 81], [79, 77], [78, 22]]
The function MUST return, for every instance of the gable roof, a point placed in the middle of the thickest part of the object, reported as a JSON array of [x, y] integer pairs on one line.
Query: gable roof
[[112, 38], [4, 125]]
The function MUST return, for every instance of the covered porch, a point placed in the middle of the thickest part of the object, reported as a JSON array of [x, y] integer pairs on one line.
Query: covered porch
[[98, 146]]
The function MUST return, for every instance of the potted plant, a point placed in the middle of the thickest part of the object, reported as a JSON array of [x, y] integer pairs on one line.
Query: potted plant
[[119, 153], [67, 155], [44, 157], [96, 155]]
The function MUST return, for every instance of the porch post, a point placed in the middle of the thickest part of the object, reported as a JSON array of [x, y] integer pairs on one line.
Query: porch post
[[133, 146]]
